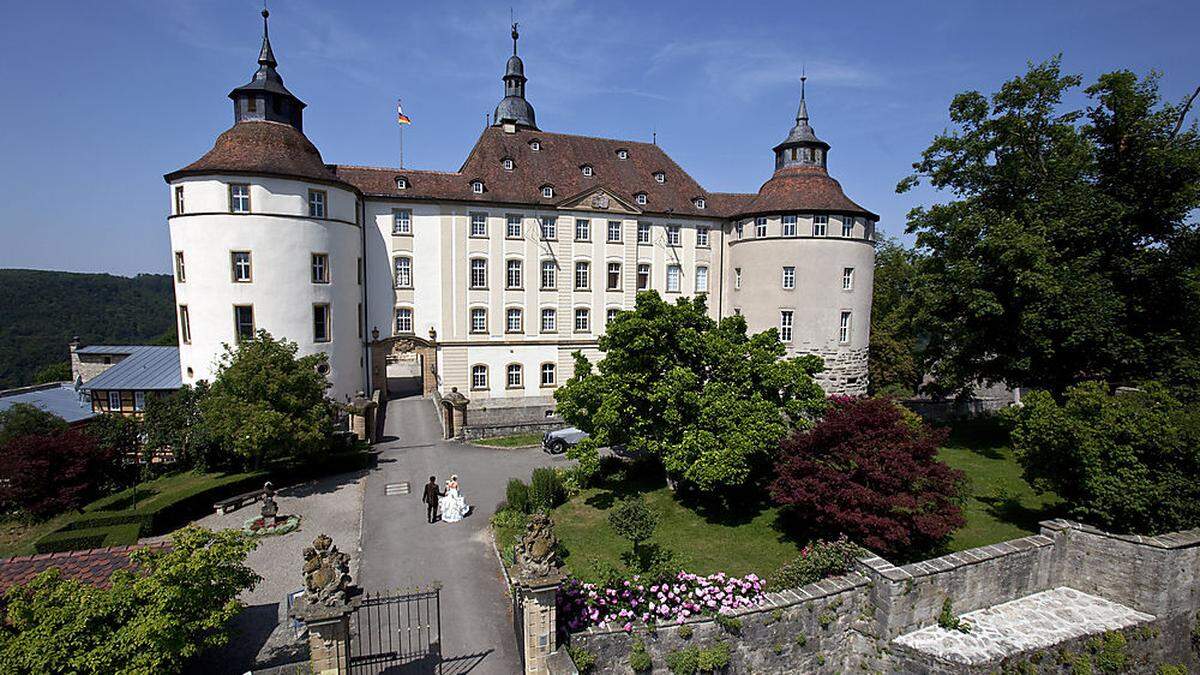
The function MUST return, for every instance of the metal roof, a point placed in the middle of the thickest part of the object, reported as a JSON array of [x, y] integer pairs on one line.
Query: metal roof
[[59, 399], [146, 368]]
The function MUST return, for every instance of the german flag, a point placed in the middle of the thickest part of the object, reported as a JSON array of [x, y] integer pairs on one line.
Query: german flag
[[400, 116]]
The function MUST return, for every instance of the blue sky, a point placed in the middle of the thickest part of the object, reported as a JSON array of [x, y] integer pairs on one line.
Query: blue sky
[[102, 98]]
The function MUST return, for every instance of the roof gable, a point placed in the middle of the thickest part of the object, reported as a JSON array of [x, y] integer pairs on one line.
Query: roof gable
[[599, 199]]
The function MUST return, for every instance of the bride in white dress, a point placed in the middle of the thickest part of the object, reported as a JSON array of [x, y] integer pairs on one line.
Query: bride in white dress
[[454, 507]]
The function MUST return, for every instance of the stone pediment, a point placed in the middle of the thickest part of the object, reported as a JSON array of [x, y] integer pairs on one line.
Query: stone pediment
[[598, 199]]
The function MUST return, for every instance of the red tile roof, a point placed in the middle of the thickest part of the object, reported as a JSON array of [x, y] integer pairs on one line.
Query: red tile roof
[[803, 188], [93, 566], [261, 147]]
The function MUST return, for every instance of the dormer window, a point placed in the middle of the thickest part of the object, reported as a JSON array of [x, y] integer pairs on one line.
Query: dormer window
[[587, 170], [507, 163], [622, 154], [548, 191], [477, 187], [660, 176], [640, 198], [535, 145], [699, 202], [401, 183]]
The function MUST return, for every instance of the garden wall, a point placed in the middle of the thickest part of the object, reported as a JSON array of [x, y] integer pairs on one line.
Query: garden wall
[[848, 623]]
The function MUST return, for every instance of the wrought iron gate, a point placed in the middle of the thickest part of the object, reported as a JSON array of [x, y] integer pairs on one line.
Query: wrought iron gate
[[400, 630]]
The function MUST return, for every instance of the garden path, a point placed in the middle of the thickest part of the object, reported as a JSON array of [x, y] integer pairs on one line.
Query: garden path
[[400, 549]]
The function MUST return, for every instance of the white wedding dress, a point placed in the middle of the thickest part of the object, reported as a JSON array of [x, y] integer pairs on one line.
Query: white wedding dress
[[454, 507]]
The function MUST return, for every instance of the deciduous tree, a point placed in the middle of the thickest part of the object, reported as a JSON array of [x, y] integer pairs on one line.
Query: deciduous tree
[[702, 396], [869, 469], [24, 419], [49, 474]]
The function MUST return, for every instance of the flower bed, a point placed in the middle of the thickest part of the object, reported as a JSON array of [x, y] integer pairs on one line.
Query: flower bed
[[264, 527], [687, 595]]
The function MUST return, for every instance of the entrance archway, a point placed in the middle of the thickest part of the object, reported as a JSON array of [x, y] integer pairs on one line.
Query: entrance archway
[[404, 365]]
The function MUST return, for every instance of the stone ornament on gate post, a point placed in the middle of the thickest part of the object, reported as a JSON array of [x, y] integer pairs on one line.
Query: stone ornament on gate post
[[325, 608], [539, 575]]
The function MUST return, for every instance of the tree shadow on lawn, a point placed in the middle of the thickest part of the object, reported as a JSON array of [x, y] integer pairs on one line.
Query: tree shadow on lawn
[[1007, 508], [986, 436]]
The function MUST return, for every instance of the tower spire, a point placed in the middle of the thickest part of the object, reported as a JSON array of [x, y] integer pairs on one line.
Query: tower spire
[[512, 17], [513, 107], [266, 57], [802, 111]]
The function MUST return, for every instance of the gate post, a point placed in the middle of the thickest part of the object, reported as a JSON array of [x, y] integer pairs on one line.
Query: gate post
[[539, 577], [329, 600]]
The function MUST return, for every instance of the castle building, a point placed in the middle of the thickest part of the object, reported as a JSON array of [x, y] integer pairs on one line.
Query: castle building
[[488, 278]]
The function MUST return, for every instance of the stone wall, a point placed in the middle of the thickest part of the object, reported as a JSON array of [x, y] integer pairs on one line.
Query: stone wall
[[845, 371], [850, 623], [487, 417]]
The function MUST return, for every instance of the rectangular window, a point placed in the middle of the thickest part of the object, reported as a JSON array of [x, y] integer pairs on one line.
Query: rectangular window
[[672, 235], [401, 221], [180, 272], [702, 279], [512, 320], [478, 224], [702, 235], [512, 226], [243, 322], [512, 274], [478, 320], [549, 228], [478, 273], [785, 325], [820, 225], [404, 277], [583, 320], [185, 325], [114, 400], [549, 320], [738, 228], [316, 203], [847, 226], [583, 229], [320, 323], [239, 198], [844, 328], [179, 200], [358, 267], [548, 374], [242, 272], [847, 278], [320, 268], [479, 377], [514, 376], [760, 227], [672, 278], [789, 277], [789, 226], [610, 315], [360, 320], [737, 278], [643, 277], [614, 231], [139, 401], [404, 320], [549, 275], [614, 276], [583, 276], [643, 232]]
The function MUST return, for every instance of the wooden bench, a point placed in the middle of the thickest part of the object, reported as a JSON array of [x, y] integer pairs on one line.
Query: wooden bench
[[238, 501]]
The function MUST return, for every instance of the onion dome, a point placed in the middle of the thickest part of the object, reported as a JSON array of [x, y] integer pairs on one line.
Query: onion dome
[[264, 97], [513, 108]]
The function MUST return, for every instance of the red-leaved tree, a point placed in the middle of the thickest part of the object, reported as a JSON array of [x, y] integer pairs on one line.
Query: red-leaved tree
[[49, 474], [869, 470]]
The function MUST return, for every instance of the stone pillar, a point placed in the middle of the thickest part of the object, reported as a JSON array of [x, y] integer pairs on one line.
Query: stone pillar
[[458, 413], [362, 417], [328, 637], [539, 622]]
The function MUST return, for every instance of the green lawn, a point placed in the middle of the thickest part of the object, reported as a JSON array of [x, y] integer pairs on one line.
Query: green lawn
[[1000, 505], [119, 519], [514, 441], [705, 542]]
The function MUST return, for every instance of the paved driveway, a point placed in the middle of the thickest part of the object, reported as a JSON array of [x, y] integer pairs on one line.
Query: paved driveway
[[399, 548]]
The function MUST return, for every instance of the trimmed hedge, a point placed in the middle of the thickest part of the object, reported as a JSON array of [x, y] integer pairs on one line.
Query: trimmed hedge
[[76, 540]]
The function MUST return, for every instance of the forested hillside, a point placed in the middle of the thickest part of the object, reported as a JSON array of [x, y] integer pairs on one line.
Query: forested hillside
[[40, 311]]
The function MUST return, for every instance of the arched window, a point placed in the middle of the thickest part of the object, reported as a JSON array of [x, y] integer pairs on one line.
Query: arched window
[[479, 376], [549, 375], [514, 376]]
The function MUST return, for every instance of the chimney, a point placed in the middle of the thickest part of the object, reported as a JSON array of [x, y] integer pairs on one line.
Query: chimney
[[76, 370]]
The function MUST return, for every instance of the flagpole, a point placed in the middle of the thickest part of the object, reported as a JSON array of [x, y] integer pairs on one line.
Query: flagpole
[[401, 145]]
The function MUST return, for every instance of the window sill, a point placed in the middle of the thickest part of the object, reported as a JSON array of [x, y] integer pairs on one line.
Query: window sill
[[514, 288], [477, 288], [401, 234]]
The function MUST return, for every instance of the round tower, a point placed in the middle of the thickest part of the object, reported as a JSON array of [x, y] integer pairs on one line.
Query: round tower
[[266, 237], [802, 260]]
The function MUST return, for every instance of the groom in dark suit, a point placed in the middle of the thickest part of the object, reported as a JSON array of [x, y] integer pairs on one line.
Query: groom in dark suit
[[431, 498]]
